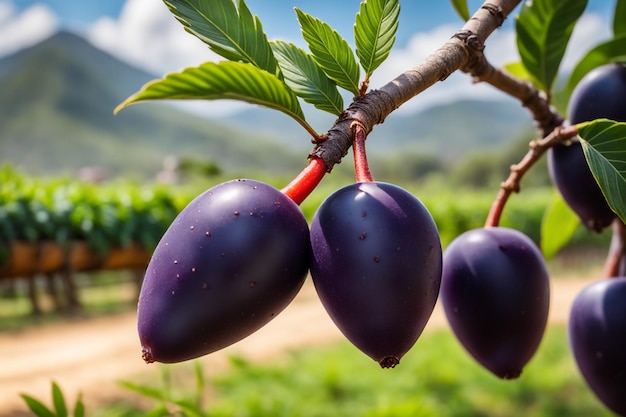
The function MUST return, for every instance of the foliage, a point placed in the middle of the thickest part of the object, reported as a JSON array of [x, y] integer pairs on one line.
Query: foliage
[[603, 143], [60, 408], [62, 210]]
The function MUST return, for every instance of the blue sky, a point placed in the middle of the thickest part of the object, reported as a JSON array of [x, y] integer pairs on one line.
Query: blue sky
[[145, 34]]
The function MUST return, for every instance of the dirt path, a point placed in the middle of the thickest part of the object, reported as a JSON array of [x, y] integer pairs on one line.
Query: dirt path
[[92, 355]]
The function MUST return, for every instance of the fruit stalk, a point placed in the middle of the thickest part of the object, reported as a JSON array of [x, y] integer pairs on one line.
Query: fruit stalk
[[615, 264], [536, 149], [306, 181], [361, 166]]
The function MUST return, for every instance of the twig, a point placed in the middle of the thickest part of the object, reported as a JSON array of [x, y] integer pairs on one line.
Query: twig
[[512, 183], [546, 117]]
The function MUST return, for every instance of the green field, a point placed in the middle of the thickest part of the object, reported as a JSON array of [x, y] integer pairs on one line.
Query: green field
[[436, 378]]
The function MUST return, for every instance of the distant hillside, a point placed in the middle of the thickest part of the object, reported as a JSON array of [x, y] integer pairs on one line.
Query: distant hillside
[[56, 116], [452, 131]]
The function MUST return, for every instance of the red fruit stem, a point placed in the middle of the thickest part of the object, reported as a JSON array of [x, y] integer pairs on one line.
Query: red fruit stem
[[361, 166], [616, 260], [306, 181], [512, 183]]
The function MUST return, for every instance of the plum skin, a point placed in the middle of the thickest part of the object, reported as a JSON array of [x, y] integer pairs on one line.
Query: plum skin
[[597, 335], [496, 293], [230, 262], [600, 94], [376, 266], [570, 173]]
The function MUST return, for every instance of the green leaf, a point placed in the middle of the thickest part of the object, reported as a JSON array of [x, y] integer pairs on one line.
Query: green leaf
[[375, 32], [604, 144], [230, 31], [37, 407], [604, 53], [200, 382], [331, 52], [543, 29], [146, 391], [557, 226], [518, 70], [58, 400], [461, 8], [223, 80], [306, 78], [189, 407], [619, 19], [79, 407]]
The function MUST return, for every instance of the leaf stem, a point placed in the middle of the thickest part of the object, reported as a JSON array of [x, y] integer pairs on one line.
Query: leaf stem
[[536, 149]]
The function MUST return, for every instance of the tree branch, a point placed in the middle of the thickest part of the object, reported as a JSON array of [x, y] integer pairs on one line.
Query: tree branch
[[375, 106], [546, 117]]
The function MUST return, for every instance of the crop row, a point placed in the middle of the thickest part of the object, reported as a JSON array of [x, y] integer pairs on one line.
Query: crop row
[[122, 214], [62, 210]]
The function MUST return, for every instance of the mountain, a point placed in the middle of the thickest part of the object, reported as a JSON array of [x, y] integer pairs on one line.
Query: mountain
[[457, 129], [56, 115], [451, 131]]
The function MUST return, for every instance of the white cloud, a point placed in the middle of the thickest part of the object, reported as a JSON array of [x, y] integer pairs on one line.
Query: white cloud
[[147, 35], [20, 30], [589, 31]]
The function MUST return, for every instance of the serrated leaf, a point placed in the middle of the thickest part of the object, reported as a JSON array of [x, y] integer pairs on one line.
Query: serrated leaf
[[604, 144], [375, 32], [223, 80], [58, 400], [558, 225], [619, 18], [331, 52], [544, 28], [37, 407], [230, 30], [461, 8], [604, 53], [306, 78]]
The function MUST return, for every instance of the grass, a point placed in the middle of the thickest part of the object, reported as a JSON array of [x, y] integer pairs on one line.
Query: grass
[[436, 378]]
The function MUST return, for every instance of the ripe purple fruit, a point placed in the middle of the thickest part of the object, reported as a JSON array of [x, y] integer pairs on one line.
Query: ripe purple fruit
[[496, 295], [376, 265], [571, 175], [600, 94], [231, 261], [597, 333]]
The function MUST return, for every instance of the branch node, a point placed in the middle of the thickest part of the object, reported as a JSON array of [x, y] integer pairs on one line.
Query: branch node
[[496, 11], [470, 39]]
